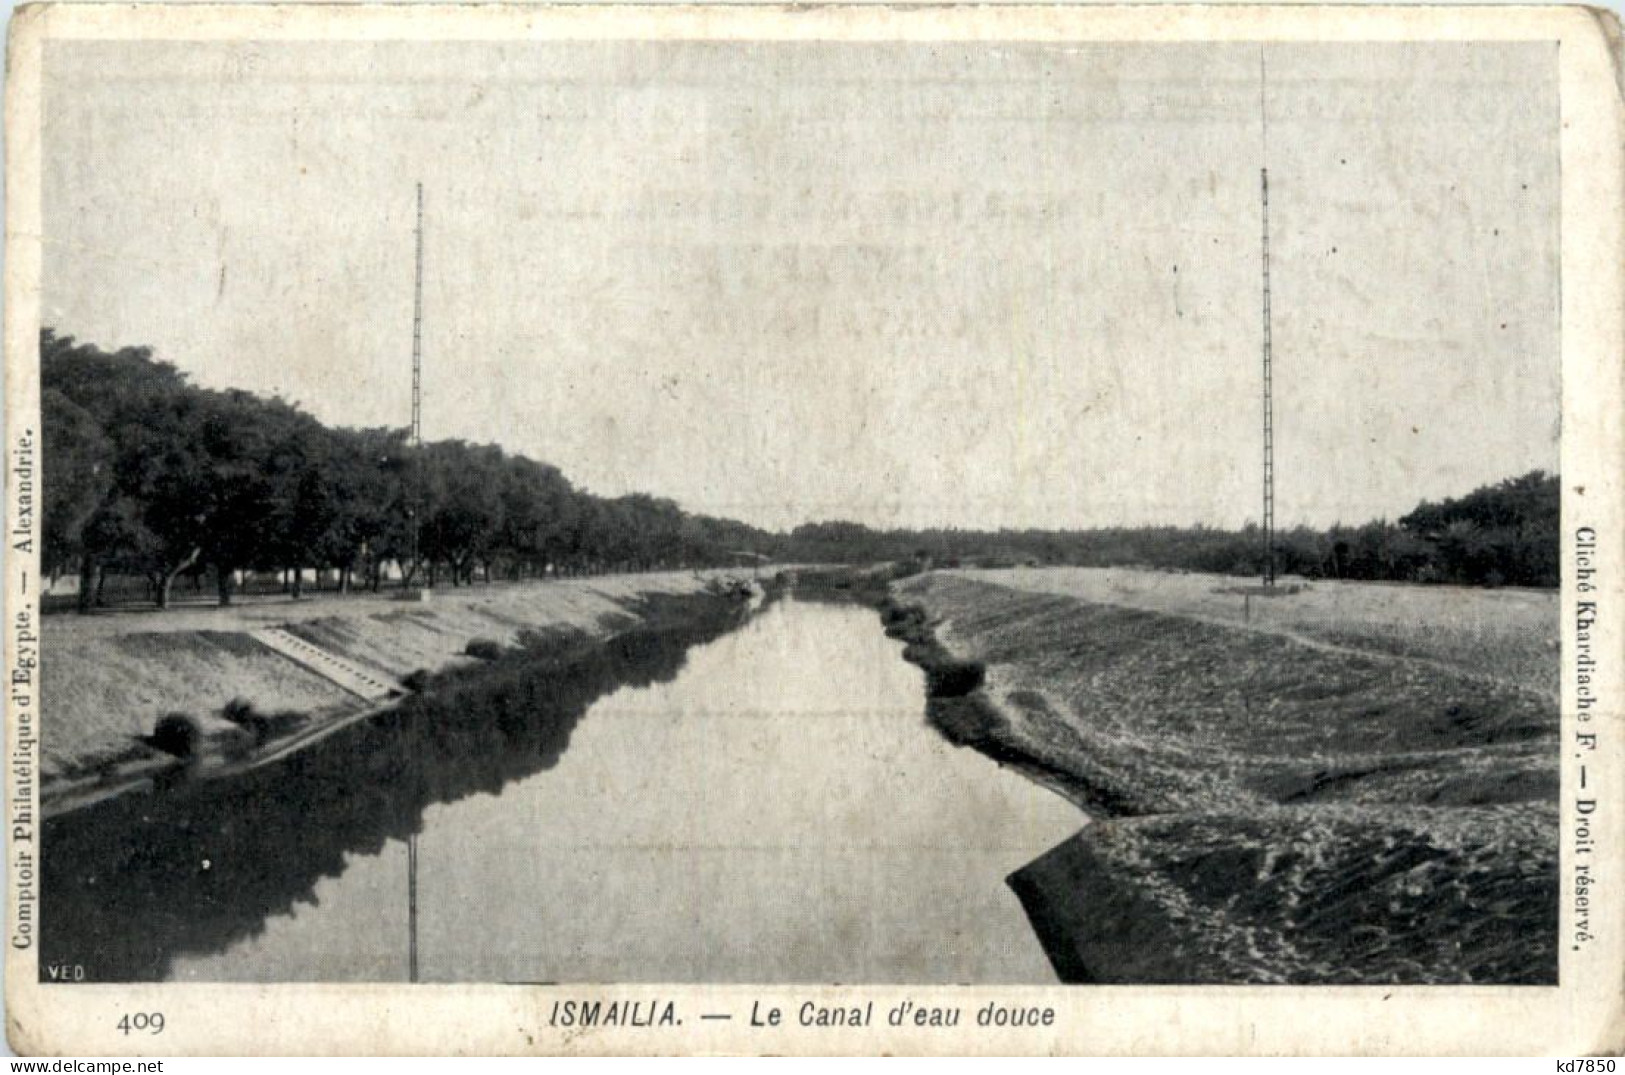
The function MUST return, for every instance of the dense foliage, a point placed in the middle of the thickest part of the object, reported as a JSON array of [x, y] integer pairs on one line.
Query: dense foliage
[[151, 477], [1500, 535]]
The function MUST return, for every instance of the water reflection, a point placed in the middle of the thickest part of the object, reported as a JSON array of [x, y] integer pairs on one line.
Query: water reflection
[[779, 811], [136, 882]]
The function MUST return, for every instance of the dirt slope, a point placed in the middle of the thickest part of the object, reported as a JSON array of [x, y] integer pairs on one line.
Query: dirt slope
[[1274, 800]]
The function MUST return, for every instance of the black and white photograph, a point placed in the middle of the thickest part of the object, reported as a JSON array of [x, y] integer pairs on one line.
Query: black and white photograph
[[818, 510]]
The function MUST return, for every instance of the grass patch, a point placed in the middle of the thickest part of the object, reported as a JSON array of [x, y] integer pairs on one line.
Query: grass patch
[[483, 648], [177, 734], [262, 726]]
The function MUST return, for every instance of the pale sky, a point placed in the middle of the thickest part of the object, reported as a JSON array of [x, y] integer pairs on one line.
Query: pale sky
[[972, 284]]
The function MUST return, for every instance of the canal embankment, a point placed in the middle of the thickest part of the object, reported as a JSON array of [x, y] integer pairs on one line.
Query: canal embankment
[[1270, 805], [138, 698], [740, 798]]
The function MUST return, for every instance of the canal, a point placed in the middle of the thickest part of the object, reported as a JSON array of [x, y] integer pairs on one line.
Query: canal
[[768, 805]]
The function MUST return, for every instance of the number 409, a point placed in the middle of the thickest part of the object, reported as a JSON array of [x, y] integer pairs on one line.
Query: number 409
[[145, 1022]]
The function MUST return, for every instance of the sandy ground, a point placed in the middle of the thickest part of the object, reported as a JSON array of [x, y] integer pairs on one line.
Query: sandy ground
[[108, 678], [1507, 634], [1293, 798]]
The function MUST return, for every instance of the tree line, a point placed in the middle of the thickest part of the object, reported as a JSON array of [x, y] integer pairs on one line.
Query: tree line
[[1503, 534], [148, 475], [152, 477]]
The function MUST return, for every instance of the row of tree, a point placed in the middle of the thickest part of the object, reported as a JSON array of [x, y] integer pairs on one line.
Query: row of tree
[[1504, 534], [149, 476]]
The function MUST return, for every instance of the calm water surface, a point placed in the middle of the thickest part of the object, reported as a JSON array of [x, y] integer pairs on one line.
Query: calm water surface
[[778, 811]]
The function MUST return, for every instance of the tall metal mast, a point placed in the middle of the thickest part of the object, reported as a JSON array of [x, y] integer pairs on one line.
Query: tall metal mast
[[417, 507], [1269, 385], [417, 376], [1269, 405]]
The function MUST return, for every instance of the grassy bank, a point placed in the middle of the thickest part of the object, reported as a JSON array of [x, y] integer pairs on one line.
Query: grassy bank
[[109, 681], [1273, 807]]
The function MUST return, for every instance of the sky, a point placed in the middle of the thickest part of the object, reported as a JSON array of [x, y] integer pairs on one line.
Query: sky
[[968, 284]]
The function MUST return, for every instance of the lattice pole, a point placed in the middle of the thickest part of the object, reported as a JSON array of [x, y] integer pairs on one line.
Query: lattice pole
[[417, 378], [1269, 391], [417, 508], [1268, 355]]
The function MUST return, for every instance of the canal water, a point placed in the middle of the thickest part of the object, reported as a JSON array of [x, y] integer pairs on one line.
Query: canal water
[[767, 806]]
